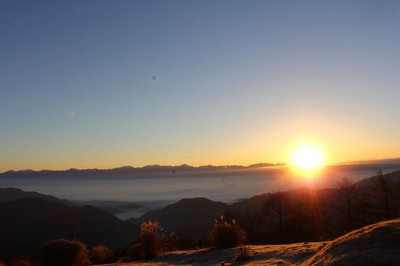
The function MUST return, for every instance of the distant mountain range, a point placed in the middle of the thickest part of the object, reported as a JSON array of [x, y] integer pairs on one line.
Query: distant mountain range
[[129, 170], [184, 168]]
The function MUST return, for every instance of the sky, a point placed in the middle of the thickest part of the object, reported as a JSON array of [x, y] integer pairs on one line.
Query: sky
[[102, 84]]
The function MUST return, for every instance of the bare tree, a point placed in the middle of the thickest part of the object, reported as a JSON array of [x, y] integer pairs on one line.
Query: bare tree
[[347, 201], [305, 218], [275, 209], [385, 196], [250, 221]]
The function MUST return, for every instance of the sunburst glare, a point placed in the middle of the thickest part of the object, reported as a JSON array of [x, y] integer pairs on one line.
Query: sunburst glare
[[307, 158]]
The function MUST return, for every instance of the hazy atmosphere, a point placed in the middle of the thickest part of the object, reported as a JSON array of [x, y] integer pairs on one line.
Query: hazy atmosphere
[[101, 84], [224, 132]]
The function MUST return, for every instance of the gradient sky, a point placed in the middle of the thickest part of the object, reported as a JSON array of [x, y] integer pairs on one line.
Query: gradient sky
[[99, 84]]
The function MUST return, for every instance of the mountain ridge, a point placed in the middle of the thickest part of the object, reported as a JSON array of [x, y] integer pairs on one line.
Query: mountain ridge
[[13, 194], [196, 216], [153, 167], [28, 223]]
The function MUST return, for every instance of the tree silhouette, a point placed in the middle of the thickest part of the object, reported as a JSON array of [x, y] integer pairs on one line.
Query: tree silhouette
[[347, 202], [275, 210], [385, 196], [250, 221]]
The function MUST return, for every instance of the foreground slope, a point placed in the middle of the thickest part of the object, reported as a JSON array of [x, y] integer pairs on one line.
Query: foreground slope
[[376, 244], [289, 254]]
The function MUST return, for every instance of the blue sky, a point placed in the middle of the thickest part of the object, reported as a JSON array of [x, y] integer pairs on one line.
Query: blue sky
[[108, 83]]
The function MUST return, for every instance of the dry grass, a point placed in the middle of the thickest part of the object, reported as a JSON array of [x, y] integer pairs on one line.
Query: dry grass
[[377, 244], [226, 234], [243, 252]]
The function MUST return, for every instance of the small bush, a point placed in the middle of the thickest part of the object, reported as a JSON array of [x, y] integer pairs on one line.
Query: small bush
[[153, 241], [226, 234], [101, 255], [64, 252], [151, 234], [243, 253]]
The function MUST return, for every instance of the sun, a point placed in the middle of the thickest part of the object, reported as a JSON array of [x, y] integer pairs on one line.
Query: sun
[[307, 158]]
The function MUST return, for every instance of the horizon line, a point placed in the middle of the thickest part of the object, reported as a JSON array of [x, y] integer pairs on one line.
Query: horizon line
[[255, 165]]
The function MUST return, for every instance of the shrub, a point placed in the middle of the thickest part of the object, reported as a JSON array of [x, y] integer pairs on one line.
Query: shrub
[[101, 254], [151, 234], [226, 234], [153, 241], [63, 252]]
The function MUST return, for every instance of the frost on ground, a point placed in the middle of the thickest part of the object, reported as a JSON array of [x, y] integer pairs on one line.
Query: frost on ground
[[260, 255], [290, 254], [377, 244]]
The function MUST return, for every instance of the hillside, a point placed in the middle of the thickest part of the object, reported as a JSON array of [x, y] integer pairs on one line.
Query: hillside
[[12, 194], [256, 202], [27, 223], [377, 244], [308, 215], [190, 218], [393, 177]]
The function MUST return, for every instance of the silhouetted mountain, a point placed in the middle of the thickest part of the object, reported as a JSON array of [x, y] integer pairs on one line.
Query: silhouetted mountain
[[110, 206], [393, 178], [148, 170], [12, 194], [191, 218], [332, 211], [26, 224], [125, 170], [368, 165], [258, 165], [255, 204]]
